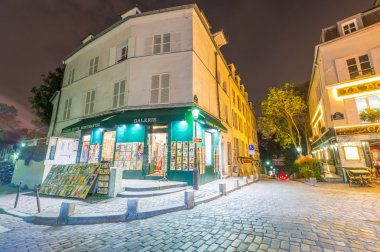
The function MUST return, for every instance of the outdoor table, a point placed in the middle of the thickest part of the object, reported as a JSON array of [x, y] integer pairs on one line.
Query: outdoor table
[[361, 173]]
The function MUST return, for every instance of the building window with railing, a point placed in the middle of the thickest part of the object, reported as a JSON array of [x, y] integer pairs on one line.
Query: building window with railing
[[359, 66]]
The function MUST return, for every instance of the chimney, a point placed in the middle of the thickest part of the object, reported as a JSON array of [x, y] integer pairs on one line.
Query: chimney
[[131, 12]]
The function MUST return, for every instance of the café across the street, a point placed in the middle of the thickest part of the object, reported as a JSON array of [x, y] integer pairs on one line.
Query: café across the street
[[151, 144]]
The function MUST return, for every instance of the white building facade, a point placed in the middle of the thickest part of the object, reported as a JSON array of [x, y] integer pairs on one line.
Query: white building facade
[[345, 82], [128, 94]]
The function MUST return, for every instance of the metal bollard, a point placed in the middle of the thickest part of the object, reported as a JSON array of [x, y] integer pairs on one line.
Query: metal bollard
[[38, 198], [18, 194]]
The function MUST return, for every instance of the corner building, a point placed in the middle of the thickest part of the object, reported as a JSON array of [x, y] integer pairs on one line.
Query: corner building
[[129, 93], [346, 81]]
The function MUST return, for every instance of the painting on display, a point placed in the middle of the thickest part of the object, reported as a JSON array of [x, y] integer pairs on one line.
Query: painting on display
[[129, 156], [94, 153], [72, 181]]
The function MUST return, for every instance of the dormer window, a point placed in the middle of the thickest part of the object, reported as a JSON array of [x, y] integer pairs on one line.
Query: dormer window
[[349, 27]]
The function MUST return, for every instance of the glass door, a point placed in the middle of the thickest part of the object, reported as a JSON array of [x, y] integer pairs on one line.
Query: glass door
[[158, 142]]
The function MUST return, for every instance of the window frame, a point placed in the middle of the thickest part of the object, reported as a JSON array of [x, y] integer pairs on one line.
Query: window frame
[[160, 88], [119, 94], [161, 44], [91, 103], [359, 66], [352, 21], [67, 109], [93, 65]]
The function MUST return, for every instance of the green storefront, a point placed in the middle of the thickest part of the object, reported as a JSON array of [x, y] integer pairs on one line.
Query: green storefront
[[151, 144]]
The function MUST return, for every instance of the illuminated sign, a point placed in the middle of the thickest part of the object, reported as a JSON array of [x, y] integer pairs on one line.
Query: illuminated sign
[[145, 120], [369, 129], [361, 88]]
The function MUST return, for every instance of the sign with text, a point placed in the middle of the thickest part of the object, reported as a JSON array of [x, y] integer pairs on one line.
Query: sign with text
[[370, 129], [197, 140]]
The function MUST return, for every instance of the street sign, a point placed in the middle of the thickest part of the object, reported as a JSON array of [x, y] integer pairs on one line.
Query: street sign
[[197, 140]]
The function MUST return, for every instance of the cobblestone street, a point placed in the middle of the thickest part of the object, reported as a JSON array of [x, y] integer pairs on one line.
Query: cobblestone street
[[265, 216]]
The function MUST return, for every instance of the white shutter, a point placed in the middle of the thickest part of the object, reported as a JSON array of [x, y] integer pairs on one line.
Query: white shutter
[[342, 69], [154, 89], [122, 93], [96, 64], [164, 96], [166, 43], [112, 58], [115, 94], [87, 103], [157, 44], [68, 109], [375, 59], [91, 70], [92, 102], [175, 42], [131, 47]]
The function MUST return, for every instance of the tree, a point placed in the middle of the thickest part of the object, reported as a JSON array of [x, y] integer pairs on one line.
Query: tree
[[41, 95], [9, 125], [370, 115], [284, 112]]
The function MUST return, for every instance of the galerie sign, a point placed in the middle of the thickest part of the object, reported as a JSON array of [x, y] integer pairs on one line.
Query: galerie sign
[[145, 120]]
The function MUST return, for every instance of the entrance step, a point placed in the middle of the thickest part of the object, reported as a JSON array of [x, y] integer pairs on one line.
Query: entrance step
[[331, 177], [145, 193]]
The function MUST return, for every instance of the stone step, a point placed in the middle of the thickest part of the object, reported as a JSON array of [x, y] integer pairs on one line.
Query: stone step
[[331, 177], [152, 193], [150, 185]]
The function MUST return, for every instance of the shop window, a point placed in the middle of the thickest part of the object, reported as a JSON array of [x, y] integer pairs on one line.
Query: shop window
[[238, 103], [85, 149], [129, 155], [208, 148], [359, 66], [351, 153], [67, 109], [94, 64], [161, 43], [119, 93], [159, 92], [349, 27], [70, 79], [90, 101]]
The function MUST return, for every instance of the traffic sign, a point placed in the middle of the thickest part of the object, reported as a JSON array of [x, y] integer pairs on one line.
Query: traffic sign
[[251, 149]]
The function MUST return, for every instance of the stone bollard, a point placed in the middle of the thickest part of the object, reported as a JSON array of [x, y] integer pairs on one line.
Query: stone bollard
[[236, 183], [189, 199], [132, 207], [223, 188], [116, 182], [313, 180], [67, 209], [257, 176], [251, 178], [245, 180]]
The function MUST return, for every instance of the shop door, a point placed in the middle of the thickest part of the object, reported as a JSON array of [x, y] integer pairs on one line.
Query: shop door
[[375, 156], [158, 142], [108, 146]]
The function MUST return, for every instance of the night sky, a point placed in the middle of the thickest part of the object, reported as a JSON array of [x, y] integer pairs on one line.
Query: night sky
[[270, 41]]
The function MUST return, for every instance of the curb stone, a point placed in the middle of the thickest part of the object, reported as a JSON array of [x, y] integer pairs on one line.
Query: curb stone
[[52, 219]]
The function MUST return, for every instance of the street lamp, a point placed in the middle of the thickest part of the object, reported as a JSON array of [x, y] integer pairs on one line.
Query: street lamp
[[195, 114]]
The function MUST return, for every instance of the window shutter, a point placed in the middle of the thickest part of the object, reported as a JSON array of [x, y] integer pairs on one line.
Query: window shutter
[[87, 103], [72, 75], [154, 89], [157, 44], [112, 58], [68, 109], [164, 88], [148, 46], [96, 64], [166, 43], [375, 59], [91, 70], [65, 110], [342, 70], [115, 94], [122, 92], [131, 47], [92, 101]]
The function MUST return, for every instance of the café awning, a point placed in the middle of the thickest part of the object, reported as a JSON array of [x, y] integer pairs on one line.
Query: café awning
[[90, 123]]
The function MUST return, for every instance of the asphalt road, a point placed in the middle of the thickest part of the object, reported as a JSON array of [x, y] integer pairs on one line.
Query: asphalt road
[[265, 216]]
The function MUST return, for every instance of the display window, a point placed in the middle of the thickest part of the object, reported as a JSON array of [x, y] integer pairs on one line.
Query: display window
[[351, 153], [129, 155], [85, 149], [208, 148], [108, 146]]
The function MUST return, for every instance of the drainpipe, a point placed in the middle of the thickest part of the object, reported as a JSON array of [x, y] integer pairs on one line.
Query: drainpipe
[[217, 82], [56, 112]]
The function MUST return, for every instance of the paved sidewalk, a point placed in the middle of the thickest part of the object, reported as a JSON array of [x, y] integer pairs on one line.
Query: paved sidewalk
[[51, 205]]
